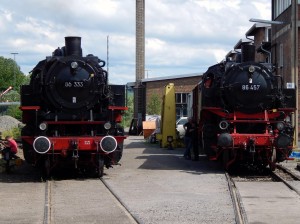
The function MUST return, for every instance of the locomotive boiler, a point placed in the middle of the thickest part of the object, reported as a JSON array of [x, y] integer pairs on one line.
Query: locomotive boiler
[[245, 114], [71, 113]]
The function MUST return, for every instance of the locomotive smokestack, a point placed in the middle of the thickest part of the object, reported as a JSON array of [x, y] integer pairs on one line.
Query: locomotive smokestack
[[73, 46], [248, 52]]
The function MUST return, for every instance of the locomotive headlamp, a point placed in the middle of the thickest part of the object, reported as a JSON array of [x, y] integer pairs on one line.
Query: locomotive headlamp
[[251, 69], [108, 144], [74, 65], [43, 126], [41, 144], [280, 126], [223, 125], [107, 125]]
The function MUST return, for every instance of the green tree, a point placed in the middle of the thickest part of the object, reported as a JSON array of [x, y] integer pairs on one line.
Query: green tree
[[10, 75], [11, 96], [128, 115], [14, 111], [154, 105]]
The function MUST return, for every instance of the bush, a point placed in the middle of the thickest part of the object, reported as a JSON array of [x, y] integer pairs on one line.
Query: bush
[[154, 105], [14, 132], [14, 111]]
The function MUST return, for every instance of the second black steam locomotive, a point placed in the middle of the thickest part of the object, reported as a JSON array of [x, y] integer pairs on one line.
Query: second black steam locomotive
[[71, 113], [245, 114]]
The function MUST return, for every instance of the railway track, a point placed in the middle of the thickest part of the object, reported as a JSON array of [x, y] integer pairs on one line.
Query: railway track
[[55, 212], [251, 191], [239, 211], [285, 176]]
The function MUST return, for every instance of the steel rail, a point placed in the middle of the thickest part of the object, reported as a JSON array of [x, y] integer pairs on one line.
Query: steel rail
[[47, 206], [278, 177], [239, 211], [114, 194]]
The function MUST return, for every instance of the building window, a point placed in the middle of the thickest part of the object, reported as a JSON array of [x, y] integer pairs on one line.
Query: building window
[[279, 6], [181, 97], [181, 104]]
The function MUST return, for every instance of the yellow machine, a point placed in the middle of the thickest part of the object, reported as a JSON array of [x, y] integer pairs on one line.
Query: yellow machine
[[168, 135]]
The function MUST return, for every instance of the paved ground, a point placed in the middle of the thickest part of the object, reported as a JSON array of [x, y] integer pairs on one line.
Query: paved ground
[[156, 185], [269, 203], [160, 186]]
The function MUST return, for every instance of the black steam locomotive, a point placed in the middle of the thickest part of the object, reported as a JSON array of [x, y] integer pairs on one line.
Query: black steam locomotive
[[71, 113], [245, 113]]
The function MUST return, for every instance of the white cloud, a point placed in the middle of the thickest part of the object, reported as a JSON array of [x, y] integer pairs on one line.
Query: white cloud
[[182, 36]]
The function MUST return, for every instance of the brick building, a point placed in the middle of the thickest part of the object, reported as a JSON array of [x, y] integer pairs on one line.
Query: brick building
[[184, 84], [277, 42], [285, 45], [260, 34]]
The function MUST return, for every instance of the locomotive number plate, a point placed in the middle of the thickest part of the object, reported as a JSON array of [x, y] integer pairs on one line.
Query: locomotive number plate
[[74, 84], [87, 142], [250, 87]]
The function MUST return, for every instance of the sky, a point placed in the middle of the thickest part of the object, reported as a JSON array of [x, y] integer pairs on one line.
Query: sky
[[181, 36]]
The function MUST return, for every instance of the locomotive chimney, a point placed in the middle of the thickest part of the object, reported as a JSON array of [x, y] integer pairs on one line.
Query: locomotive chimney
[[248, 52], [73, 46]]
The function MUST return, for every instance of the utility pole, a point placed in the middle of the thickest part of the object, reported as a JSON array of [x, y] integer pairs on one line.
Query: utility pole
[[14, 69], [107, 56]]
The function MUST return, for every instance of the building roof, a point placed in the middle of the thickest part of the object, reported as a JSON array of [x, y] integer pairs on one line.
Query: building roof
[[238, 45], [232, 53], [172, 77], [255, 26], [167, 78]]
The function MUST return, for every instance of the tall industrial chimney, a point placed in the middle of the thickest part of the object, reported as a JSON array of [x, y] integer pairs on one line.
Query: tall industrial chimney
[[139, 90]]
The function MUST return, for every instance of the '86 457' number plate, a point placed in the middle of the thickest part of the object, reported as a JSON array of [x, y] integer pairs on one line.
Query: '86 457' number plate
[[250, 87]]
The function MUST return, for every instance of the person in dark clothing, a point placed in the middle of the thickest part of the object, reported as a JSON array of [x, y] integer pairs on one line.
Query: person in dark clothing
[[190, 128], [195, 142]]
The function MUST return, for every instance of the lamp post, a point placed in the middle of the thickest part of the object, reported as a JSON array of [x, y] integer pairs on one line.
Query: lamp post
[[14, 68]]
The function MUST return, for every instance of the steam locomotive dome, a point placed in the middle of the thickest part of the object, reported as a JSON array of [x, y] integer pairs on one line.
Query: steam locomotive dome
[[247, 87], [74, 82]]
